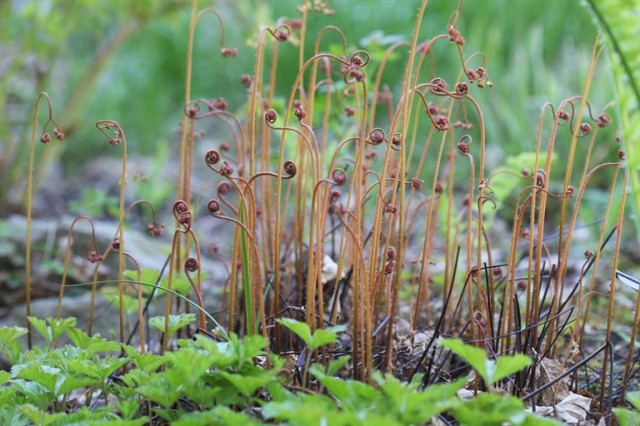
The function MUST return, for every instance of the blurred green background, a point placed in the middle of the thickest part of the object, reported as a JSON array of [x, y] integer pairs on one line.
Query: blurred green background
[[125, 60]]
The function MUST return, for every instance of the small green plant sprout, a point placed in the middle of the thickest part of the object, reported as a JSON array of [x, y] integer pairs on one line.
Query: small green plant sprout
[[491, 408], [312, 341], [491, 371], [320, 338], [52, 328], [629, 417], [10, 346], [175, 322]]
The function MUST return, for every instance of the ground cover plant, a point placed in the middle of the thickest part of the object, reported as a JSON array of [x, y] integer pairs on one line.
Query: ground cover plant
[[365, 278]]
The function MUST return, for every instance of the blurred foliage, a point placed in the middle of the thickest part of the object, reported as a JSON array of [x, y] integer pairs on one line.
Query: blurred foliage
[[126, 61], [620, 22]]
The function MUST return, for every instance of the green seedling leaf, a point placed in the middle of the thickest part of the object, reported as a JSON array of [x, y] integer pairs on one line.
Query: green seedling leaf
[[634, 399], [11, 334], [11, 346], [5, 376], [93, 344], [629, 417], [337, 364], [311, 410], [44, 375], [10, 415], [410, 406], [41, 327], [301, 329], [164, 388], [507, 365], [38, 417], [320, 338], [203, 394], [488, 409], [247, 384], [352, 394], [146, 362], [97, 370], [221, 415], [490, 371], [52, 379], [129, 303], [32, 392], [190, 363], [52, 328], [147, 275], [128, 408], [326, 336], [176, 322]]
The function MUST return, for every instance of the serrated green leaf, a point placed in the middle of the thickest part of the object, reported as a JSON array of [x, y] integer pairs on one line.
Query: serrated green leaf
[[634, 399], [129, 303], [301, 329], [627, 417], [43, 375], [510, 364], [93, 344], [490, 371], [327, 336], [42, 328], [10, 334], [38, 417], [176, 322], [336, 364], [476, 357], [5, 376]]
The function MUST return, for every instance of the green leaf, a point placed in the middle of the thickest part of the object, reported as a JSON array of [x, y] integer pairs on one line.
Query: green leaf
[[510, 364], [190, 363], [98, 370], [147, 361], [247, 384], [10, 334], [93, 344], [176, 322], [336, 365], [326, 336], [164, 388], [634, 399], [147, 275], [5, 376], [42, 328], [13, 351], [52, 328], [320, 338], [629, 417], [489, 409], [220, 415], [311, 410], [129, 303], [490, 371], [41, 374], [301, 329], [38, 417], [10, 415]]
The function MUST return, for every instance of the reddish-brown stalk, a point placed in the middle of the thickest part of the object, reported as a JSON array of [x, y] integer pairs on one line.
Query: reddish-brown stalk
[[45, 137], [93, 257], [116, 136], [612, 292]]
